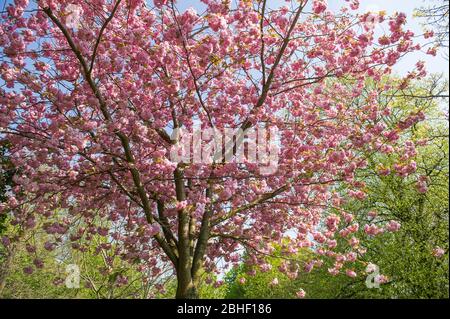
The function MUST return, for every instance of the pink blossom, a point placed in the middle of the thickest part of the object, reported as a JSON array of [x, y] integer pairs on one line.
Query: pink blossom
[[38, 263], [351, 256], [6, 241], [438, 252], [30, 248], [428, 34], [332, 222], [357, 194], [160, 3], [28, 270], [332, 244], [432, 51], [422, 187], [301, 294], [381, 279], [151, 230], [217, 22], [348, 217], [372, 229], [309, 266], [333, 271], [354, 5], [72, 174], [181, 205], [49, 246], [372, 214], [393, 226], [319, 6], [354, 242]]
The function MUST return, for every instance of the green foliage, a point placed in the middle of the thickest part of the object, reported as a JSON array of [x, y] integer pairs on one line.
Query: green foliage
[[40, 284], [101, 276], [318, 284]]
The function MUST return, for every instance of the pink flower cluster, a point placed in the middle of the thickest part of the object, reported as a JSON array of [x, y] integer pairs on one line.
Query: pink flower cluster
[[438, 252]]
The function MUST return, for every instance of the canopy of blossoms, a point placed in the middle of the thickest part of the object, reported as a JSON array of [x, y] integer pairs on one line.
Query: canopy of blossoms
[[91, 92]]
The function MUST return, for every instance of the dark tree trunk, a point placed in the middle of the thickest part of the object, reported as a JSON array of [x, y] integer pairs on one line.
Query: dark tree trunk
[[186, 290]]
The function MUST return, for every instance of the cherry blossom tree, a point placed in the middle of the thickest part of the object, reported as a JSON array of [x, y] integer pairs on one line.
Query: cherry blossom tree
[[92, 92]]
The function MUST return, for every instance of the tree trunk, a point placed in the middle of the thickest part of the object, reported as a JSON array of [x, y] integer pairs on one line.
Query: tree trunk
[[186, 289]]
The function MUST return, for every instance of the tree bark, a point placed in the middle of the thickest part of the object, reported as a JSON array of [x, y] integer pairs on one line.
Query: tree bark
[[186, 288]]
